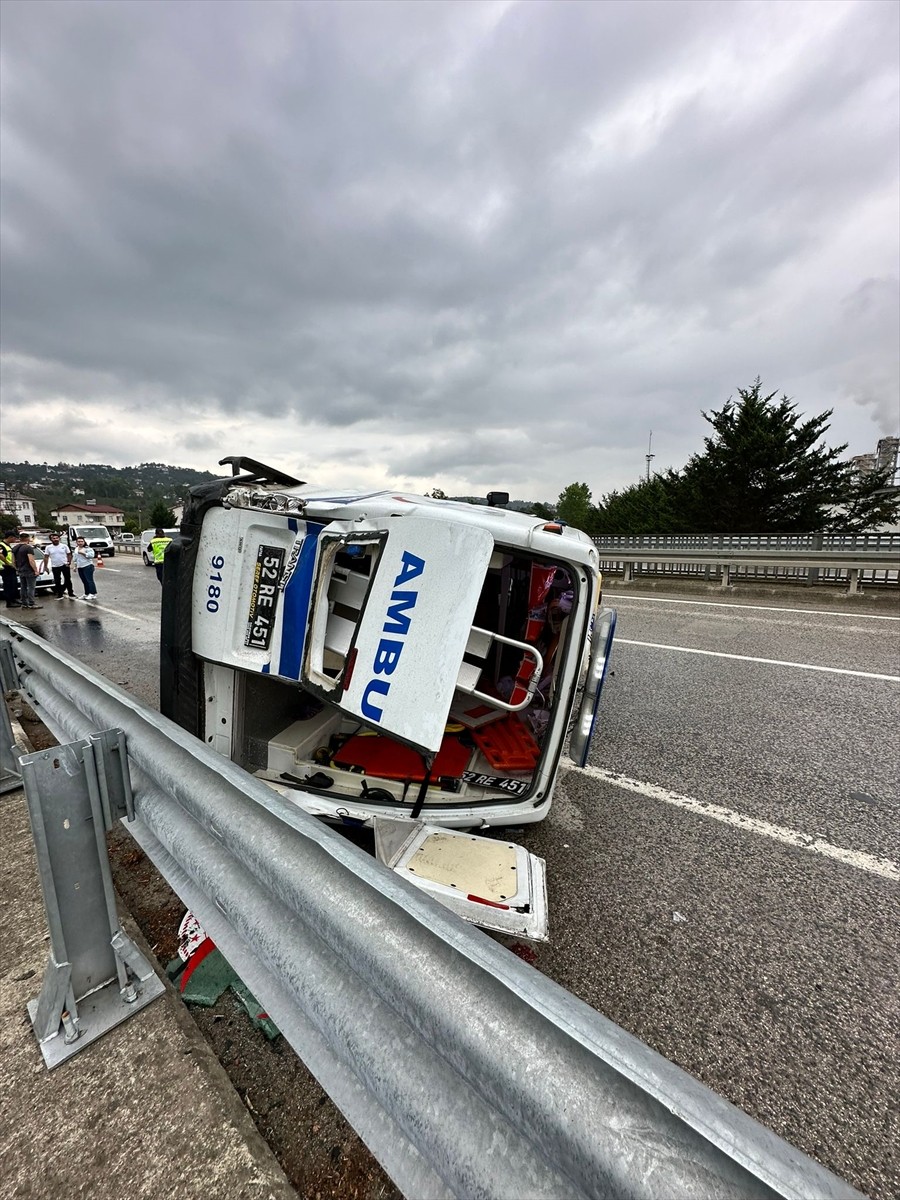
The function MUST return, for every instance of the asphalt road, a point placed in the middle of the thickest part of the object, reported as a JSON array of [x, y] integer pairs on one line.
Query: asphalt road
[[723, 876]]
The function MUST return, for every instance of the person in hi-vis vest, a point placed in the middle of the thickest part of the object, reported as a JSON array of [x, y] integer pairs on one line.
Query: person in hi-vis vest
[[157, 548]]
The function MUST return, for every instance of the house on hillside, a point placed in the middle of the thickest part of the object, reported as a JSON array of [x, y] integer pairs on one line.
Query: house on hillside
[[85, 514], [22, 509]]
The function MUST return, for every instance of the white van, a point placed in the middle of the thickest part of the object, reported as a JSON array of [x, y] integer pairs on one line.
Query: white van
[[146, 538], [97, 537]]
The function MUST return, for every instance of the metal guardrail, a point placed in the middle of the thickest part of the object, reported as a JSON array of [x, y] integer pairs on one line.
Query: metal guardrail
[[466, 1072], [127, 547], [752, 541], [835, 565]]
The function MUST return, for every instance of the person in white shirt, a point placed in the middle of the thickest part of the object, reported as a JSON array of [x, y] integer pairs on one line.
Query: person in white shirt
[[83, 561], [59, 557]]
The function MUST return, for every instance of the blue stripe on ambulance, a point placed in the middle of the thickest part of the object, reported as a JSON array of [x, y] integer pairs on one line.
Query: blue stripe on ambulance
[[296, 602]]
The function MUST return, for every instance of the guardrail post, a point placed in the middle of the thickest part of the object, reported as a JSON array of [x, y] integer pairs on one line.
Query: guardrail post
[[726, 575], [95, 977], [853, 582], [627, 572], [9, 674], [10, 777], [812, 576]]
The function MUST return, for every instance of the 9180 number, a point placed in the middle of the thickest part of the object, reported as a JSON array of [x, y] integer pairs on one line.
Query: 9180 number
[[213, 591]]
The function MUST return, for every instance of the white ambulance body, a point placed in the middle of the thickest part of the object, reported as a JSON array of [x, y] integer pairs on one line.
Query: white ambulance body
[[390, 661]]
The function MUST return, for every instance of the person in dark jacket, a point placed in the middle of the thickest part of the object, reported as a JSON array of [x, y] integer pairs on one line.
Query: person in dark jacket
[[26, 565]]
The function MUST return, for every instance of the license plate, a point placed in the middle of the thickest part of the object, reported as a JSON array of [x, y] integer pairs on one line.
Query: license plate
[[515, 787], [264, 597]]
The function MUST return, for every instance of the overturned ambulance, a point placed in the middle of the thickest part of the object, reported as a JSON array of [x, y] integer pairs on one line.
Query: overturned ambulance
[[390, 661]]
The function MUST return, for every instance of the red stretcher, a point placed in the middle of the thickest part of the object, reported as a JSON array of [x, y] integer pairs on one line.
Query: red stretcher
[[379, 755]]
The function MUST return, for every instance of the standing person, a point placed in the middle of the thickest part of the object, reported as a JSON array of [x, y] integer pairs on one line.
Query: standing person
[[83, 561], [60, 558], [8, 565], [26, 565], [157, 548]]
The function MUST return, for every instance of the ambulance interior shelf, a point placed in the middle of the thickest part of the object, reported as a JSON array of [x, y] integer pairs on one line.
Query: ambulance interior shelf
[[501, 706]]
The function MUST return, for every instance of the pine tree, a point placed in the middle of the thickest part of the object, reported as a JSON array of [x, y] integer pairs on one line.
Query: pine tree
[[763, 470], [162, 517]]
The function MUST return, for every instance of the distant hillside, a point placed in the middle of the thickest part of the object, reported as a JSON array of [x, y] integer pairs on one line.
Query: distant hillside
[[133, 489]]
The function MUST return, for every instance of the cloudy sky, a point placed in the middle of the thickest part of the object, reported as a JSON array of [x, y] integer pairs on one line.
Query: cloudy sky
[[472, 245]]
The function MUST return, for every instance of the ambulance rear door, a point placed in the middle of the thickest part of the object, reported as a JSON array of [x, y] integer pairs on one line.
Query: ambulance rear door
[[392, 612]]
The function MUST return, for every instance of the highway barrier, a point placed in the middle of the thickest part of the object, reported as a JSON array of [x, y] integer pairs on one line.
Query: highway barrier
[[807, 559]]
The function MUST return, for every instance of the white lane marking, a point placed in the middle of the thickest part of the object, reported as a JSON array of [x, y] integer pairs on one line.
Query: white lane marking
[[805, 612], [772, 662], [885, 867]]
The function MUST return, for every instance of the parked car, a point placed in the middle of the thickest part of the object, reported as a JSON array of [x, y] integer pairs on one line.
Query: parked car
[[147, 537], [126, 537]]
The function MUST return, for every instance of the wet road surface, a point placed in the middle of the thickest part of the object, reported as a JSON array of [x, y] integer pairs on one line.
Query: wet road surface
[[118, 635]]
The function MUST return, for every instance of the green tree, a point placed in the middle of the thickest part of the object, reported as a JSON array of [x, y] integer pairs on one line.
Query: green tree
[[8, 521], [649, 507], [545, 512], [763, 470], [575, 506], [161, 517]]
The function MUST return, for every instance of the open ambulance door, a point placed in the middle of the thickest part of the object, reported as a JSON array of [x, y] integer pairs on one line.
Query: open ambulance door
[[495, 884], [583, 729], [392, 614]]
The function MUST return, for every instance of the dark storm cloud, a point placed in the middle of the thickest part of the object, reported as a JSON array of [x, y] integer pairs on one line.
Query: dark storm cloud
[[446, 239]]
